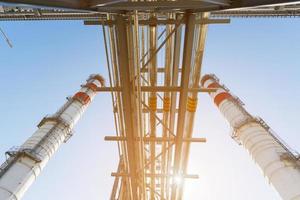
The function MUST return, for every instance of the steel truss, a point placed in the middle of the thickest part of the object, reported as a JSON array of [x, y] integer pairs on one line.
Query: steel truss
[[154, 107], [21, 13], [154, 53]]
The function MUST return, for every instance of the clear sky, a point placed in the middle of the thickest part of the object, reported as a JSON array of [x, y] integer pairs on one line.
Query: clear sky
[[258, 59]]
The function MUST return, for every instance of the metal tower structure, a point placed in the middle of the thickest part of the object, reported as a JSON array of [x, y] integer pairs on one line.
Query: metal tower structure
[[154, 52], [26, 162], [278, 162], [154, 102]]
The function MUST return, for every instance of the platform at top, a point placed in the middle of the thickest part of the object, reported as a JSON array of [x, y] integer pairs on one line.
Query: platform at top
[[119, 5], [97, 10]]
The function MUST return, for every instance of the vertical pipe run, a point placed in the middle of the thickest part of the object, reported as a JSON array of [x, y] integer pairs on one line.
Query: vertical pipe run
[[128, 104], [183, 97], [174, 82], [275, 160], [193, 96], [166, 108], [26, 162], [152, 103]]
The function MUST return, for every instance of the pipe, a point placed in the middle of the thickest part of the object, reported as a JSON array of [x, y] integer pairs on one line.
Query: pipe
[[277, 162], [152, 101], [27, 161]]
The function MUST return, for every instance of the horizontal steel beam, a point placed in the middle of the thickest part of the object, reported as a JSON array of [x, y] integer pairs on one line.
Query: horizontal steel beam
[[158, 5], [159, 70], [154, 139], [117, 5], [159, 22], [145, 110], [190, 176], [69, 4], [158, 110], [255, 3], [157, 89], [21, 13], [255, 13]]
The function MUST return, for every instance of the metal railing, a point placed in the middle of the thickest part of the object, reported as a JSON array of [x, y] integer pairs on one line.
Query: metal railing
[[19, 150], [293, 153]]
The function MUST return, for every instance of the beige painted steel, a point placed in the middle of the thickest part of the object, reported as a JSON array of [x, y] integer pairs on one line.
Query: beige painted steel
[[22, 169], [154, 105], [275, 161]]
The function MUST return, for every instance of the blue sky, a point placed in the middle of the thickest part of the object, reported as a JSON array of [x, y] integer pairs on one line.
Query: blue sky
[[258, 59]]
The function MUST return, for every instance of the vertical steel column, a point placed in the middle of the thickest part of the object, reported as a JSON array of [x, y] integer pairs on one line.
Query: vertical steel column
[[273, 157], [138, 95], [26, 162], [152, 103], [166, 109], [185, 79], [174, 82], [116, 185], [193, 96], [118, 107], [128, 103]]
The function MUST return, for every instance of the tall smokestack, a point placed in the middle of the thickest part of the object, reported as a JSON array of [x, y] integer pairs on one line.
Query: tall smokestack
[[26, 162], [276, 160]]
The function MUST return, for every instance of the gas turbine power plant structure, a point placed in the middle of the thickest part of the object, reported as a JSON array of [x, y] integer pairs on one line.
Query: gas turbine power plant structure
[[154, 119], [26, 162]]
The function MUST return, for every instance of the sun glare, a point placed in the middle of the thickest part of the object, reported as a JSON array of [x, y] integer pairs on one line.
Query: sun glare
[[178, 179]]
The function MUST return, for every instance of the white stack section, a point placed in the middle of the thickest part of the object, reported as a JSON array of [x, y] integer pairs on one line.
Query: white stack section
[[26, 162], [278, 164]]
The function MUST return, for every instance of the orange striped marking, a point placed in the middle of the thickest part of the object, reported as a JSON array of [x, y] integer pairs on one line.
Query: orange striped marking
[[99, 78], [205, 78], [213, 85], [221, 97], [91, 86], [82, 97]]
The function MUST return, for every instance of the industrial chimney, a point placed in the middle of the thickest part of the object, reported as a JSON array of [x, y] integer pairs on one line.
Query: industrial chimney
[[277, 161], [26, 162]]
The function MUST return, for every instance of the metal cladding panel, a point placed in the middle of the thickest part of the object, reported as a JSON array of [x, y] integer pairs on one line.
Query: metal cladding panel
[[72, 114], [4, 194], [14, 179], [232, 113], [288, 183], [267, 153], [55, 136], [38, 135]]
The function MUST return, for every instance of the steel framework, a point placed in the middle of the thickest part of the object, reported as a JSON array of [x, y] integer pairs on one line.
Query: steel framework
[[154, 106], [154, 52], [24, 13]]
